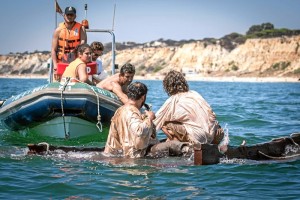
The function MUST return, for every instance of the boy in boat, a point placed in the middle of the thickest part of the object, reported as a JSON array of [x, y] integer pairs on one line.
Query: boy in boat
[[67, 36], [130, 131], [118, 83], [98, 48], [186, 116], [77, 69]]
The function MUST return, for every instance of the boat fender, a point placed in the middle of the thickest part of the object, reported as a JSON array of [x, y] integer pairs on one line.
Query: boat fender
[[91, 68], [61, 68]]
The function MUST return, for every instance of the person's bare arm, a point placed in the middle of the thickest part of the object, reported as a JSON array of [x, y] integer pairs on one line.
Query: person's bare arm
[[116, 88], [82, 74], [54, 48]]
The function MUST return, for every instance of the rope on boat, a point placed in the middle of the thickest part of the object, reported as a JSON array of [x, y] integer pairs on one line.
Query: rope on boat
[[98, 124], [291, 139], [280, 157], [67, 134]]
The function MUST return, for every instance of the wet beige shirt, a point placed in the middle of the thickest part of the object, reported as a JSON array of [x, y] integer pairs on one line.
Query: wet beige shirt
[[193, 111], [129, 134]]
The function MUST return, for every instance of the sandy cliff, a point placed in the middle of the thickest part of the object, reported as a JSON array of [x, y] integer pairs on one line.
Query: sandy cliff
[[279, 57], [256, 57]]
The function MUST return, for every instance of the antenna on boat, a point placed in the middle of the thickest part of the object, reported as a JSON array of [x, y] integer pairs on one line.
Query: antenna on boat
[[113, 24], [113, 65], [57, 10], [85, 22]]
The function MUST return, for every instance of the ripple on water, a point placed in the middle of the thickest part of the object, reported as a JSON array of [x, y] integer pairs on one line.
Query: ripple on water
[[255, 112]]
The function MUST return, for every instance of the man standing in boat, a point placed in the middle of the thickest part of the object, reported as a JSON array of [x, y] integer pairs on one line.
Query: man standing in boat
[[118, 83], [67, 36]]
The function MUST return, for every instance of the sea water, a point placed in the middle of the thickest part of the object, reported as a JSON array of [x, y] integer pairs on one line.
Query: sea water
[[255, 112]]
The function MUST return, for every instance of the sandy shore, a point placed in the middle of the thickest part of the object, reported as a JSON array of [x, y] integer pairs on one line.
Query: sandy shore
[[226, 79], [189, 78], [33, 76]]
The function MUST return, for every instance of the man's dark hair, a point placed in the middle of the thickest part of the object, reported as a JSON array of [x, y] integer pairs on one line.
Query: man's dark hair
[[136, 90], [81, 48], [174, 83], [127, 68], [97, 46]]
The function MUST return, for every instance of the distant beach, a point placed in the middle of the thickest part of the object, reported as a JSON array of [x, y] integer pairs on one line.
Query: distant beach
[[31, 76], [188, 77], [225, 79]]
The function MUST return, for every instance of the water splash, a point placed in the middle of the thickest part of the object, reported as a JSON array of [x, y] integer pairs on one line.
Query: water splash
[[223, 146], [232, 161], [292, 149]]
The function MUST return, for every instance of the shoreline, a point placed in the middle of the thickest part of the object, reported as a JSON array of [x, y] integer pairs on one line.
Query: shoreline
[[226, 79], [24, 76], [188, 78]]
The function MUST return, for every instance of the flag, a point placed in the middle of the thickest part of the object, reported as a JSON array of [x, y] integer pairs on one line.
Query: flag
[[57, 8]]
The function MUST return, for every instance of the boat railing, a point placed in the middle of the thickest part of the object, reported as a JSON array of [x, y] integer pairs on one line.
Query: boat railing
[[113, 48]]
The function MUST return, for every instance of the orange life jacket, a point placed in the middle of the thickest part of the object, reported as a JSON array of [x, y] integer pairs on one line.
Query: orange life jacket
[[68, 40]]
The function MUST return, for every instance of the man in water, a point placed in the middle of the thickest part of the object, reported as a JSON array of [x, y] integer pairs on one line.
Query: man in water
[[118, 83], [131, 132], [186, 116]]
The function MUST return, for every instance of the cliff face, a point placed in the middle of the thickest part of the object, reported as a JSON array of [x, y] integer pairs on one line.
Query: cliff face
[[256, 57], [19, 64]]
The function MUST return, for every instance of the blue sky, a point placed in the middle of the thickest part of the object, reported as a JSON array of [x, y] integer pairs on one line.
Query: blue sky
[[28, 25]]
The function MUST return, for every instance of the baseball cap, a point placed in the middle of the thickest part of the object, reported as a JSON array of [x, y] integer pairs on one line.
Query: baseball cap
[[70, 10]]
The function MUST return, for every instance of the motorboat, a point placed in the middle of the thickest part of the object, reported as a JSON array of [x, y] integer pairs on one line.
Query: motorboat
[[64, 109]]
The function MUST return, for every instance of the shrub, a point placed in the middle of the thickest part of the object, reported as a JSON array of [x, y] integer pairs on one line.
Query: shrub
[[157, 68], [280, 65], [234, 68], [296, 71]]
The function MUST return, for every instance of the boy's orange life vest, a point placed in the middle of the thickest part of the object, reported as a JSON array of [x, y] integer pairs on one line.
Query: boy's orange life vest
[[68, 40]]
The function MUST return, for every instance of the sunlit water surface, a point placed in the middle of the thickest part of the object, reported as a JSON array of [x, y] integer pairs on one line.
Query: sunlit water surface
[[255, 112]]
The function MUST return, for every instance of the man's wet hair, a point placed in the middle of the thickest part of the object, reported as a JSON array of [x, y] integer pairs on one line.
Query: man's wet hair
[[136, 90], [174, 83], [127, 68]]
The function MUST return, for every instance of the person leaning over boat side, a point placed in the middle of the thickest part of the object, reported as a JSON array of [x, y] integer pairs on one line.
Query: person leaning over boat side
[[66, 37], [77, 69], [186, 116], [118, 83], [131, 132], [98, 48]]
